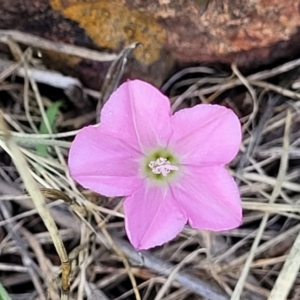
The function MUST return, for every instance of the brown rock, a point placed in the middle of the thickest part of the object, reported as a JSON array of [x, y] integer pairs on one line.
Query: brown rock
[[182, 31]]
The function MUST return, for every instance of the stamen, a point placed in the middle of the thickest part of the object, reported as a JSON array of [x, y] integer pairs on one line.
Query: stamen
[[162, 166]]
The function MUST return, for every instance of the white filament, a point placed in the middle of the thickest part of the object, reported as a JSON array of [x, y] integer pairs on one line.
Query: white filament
[[162, 166]]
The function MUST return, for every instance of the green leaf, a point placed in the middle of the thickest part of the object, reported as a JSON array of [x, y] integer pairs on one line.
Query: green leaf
[[3, 293], [51, 114]]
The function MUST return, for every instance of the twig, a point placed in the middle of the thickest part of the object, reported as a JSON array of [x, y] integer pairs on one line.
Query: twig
[[174, 273], [183, 72], [43, 261], [49, 77], [252, 93], [27, 261], [276, 191], [41, 43], [197, 285], [295, 187], [39, 202], [288, 273], [256, 135], [121, 255], [277, 89], [220, 88]]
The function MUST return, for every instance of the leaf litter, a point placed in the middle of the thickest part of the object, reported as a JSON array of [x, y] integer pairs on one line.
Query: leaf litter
[[88, 255]]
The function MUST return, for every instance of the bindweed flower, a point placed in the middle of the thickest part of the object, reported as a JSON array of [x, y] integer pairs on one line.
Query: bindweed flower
[[170, 168]]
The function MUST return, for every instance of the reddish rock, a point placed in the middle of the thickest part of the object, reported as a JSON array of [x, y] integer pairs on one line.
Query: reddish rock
[[250, 33]]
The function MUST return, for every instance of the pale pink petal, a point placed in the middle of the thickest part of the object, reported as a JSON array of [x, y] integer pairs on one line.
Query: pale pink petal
[[210, 198], [206, 134], [138, 113], [152, 217], [103, 163]]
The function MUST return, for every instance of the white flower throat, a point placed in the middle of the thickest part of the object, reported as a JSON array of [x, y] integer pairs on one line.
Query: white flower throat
[[162, 166]]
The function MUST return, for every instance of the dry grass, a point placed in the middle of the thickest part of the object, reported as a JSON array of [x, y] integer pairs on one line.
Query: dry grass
[[259, 260]]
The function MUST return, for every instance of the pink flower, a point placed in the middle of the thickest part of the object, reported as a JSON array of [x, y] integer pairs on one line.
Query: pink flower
[[170, 168]]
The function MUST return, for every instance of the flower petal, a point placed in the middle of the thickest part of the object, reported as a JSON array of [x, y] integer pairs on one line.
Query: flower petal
[[210, 198], [152, 217], [140, 112], [103, 163], [206, 134]]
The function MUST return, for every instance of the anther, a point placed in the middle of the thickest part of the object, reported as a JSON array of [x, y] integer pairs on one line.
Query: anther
[[162, 166]]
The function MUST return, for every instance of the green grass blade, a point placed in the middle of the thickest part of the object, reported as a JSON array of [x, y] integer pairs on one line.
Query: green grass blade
[[51, 114], [3, 293]]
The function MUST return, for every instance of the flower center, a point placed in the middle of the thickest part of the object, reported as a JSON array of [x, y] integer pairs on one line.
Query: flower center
[[162, 166], [159, 166]]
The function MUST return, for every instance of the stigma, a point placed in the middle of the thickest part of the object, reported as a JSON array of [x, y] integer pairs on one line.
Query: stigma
[[162, 166]]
